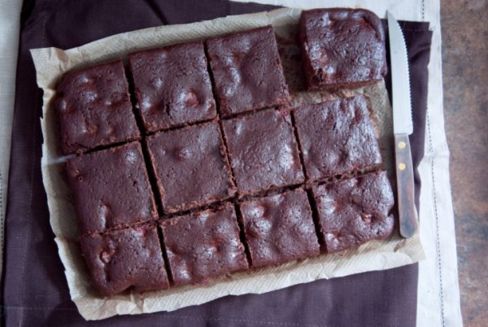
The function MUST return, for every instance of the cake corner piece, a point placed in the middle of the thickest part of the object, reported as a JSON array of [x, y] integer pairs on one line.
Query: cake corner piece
[[342, 48], [126, 259], [355, 210], [93, 108]]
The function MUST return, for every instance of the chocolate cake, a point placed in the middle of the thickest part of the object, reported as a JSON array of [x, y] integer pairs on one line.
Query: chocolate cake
[[336, 137], [342, 47], [190, 166], [93, 108], [111, 188], [354, 211], [247, 71], [241, 181], [172, 86], [263, 151], [279, 228], [204, 245], [125, 259]]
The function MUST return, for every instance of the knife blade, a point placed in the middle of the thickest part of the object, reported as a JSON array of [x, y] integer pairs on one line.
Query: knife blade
[[402, 128]]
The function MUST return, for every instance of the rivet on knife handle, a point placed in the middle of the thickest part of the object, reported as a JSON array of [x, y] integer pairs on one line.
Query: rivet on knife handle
[[405, 186]]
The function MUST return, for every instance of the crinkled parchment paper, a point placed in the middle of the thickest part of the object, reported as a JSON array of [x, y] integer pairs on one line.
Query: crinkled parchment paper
[[51, 63]]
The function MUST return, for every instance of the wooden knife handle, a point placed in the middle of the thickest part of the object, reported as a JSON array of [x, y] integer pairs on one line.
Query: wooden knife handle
[[405, 186]]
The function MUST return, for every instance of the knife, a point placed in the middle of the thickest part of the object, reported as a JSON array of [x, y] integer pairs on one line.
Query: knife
[[402, 128]]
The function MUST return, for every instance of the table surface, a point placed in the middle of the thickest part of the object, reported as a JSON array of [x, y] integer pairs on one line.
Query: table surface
[[465, 68]]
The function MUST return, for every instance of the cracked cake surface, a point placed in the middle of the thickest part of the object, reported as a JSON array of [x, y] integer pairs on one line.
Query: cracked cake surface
[[342, 47], [125, 259], [172, 86], [111, 188], [279, 228], [247, 71], [204, 245], [336, 137], [190, 166], [354, 211], [93, 108], [263, 151]]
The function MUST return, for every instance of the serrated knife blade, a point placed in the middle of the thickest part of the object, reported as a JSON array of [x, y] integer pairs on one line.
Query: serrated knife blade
[[402, 108], [402, 128]]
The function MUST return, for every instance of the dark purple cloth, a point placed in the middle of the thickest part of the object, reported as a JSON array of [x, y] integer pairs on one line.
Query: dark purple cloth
[[34, 287]]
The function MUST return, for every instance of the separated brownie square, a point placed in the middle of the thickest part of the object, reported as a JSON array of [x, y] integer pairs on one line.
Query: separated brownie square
[[125, 259], [247, 71], [279, 228], [191, 167], [204, 245], [93, 108], [336, 137], [172, 86], [354, 211], [342, 47], [111, 188], [263, 151]]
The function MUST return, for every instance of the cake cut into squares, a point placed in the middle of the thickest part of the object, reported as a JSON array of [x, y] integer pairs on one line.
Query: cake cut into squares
[[93, 108], [279, 228], [263, 151], [125, 259], [247, 71], [204, 245], [172, 86], [111, 188], [342, 47], [336, 137], [354, 211], [191, 167]]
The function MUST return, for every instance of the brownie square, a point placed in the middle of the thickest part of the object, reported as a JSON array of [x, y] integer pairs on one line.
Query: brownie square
[[204, 245], [190, 166], [336, 137], [93, 108], [279, 228], [111, 188], [342, 47], [263, 151], [247, 71], [172, 86], [354, 211], [123, 259]]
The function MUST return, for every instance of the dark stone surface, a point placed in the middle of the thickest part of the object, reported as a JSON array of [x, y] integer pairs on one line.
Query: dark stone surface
[[465, 68]]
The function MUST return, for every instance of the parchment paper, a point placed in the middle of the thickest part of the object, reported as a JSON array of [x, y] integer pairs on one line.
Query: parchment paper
[[51, 63]]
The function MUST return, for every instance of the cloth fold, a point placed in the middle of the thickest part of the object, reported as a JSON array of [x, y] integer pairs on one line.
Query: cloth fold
[[34, 287]]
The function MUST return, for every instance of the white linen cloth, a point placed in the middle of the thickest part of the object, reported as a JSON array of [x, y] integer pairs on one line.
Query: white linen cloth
[[9, 41]]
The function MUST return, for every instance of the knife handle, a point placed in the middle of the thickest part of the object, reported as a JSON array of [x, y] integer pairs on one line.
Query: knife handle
[[405, 186]]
